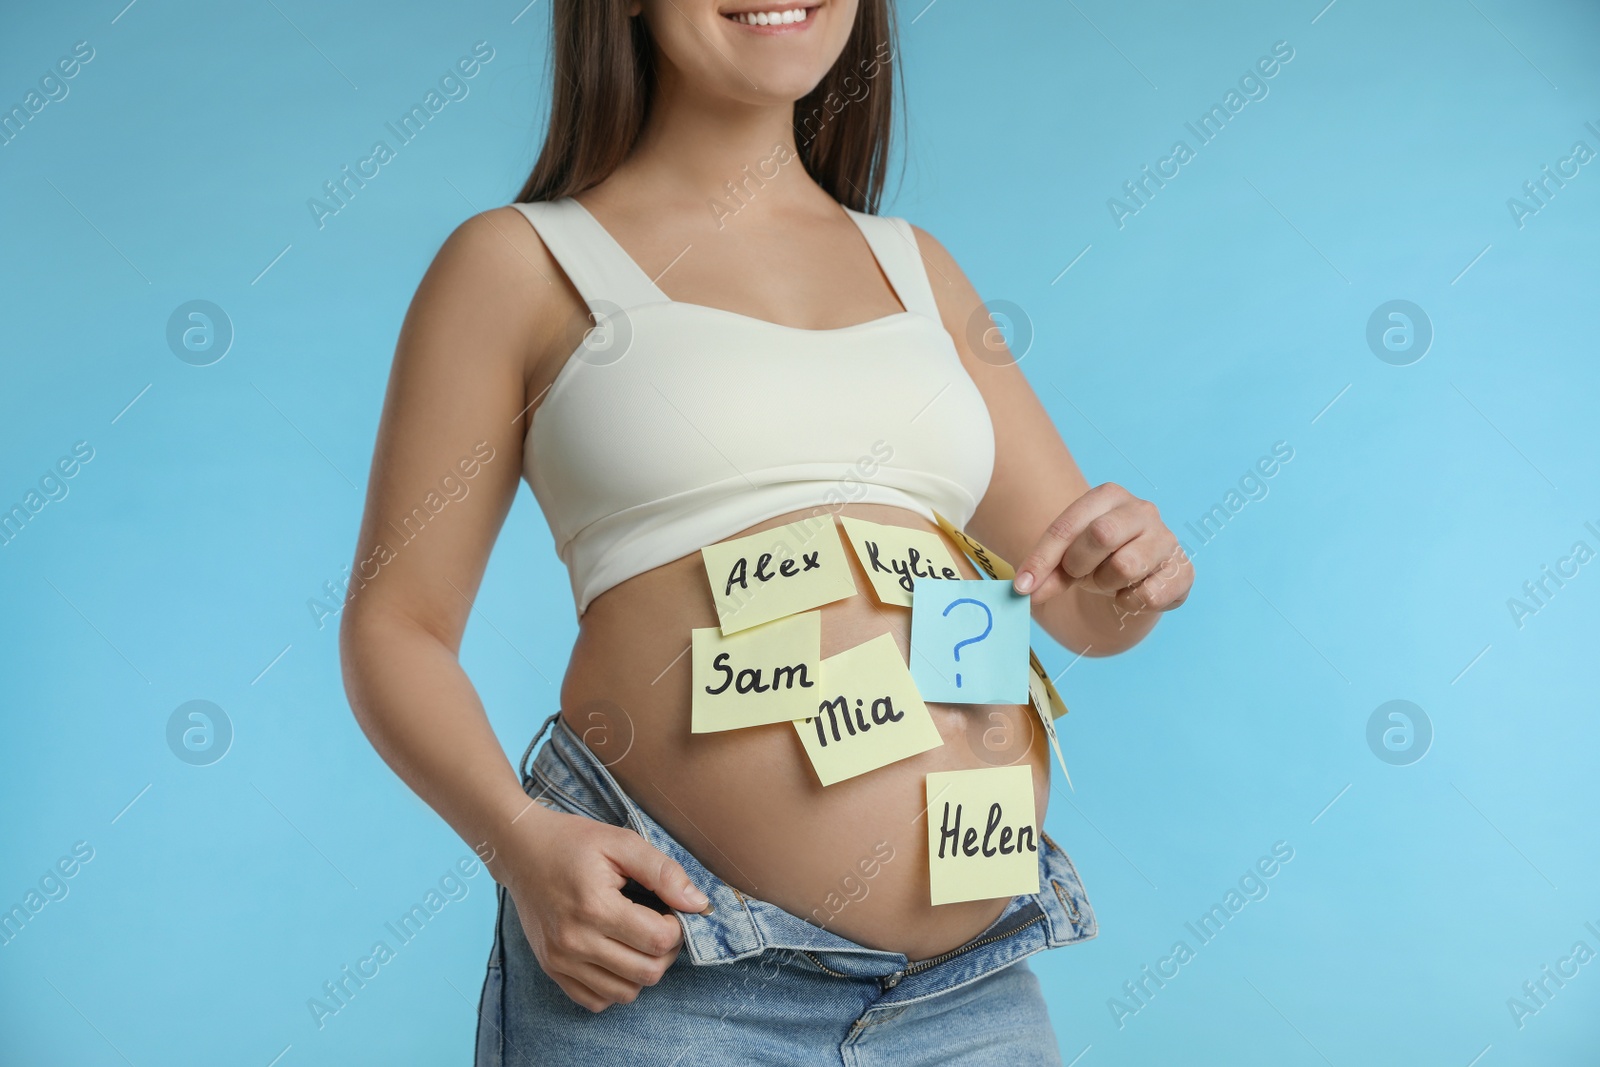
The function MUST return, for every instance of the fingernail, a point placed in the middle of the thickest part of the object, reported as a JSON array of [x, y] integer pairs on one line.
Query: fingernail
[[1024, 582], [708, 909], [693, 895]]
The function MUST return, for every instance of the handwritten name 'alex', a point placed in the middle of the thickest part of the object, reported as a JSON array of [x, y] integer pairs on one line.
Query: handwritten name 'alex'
[[740, 573]]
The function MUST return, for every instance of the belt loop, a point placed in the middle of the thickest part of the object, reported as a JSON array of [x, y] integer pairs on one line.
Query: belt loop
[[522, 767]]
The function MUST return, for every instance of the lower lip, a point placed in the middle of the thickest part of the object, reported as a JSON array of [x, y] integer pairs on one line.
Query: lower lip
[[780, 28]]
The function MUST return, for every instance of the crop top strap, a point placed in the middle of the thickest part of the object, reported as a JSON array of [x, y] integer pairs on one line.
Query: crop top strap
[[895, 245], [589, 256]]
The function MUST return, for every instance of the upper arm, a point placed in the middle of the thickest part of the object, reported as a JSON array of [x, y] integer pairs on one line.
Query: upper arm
[[1035, 476], [448, 454]]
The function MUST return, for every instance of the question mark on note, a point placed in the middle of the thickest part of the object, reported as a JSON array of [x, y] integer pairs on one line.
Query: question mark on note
[[988, 627]]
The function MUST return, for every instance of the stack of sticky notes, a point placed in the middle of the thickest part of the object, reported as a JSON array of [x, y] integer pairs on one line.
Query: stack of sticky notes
[[863, 708]]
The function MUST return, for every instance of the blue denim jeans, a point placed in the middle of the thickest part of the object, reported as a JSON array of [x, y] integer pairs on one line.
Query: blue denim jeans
[[754, 984]]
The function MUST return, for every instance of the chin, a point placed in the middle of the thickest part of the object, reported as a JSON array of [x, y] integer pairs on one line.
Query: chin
[[778, 86]]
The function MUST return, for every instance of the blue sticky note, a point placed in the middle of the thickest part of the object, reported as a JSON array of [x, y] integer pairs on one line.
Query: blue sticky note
[[969, 641]]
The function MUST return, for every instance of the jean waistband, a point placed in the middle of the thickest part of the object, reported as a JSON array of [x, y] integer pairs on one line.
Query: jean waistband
[[741, 926]]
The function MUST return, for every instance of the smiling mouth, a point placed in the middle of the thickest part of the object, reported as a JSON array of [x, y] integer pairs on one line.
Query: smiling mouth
[[774, 19]]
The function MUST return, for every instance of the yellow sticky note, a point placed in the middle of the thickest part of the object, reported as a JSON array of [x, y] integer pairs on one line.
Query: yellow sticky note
[[867, 714], [777, 572], [986, 561], [1036, 694], [1039, 697], [982, 841], [893, 556], [1053, 701], [768, 673]]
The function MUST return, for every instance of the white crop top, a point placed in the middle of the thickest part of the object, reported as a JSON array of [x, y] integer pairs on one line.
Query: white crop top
[[674, 425]]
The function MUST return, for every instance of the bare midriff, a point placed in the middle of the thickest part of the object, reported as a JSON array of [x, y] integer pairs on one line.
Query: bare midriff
[[851, 857]]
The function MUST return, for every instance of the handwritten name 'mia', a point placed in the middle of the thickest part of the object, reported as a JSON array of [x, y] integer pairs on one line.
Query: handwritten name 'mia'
[[838, 709], [969, 844], [740, 574], [906, 569]]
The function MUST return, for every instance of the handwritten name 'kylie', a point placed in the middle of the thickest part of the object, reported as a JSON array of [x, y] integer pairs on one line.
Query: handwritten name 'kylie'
[[894, 557], [906, 569]]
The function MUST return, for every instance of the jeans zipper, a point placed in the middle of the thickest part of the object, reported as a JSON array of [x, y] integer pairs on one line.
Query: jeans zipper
[[889, 981], [812, 956]]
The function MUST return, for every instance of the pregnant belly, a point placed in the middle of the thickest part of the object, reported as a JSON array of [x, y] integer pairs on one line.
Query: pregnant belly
[[852, 857]]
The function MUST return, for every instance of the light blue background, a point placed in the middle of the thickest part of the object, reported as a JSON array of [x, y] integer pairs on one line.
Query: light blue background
[[1227, 315]]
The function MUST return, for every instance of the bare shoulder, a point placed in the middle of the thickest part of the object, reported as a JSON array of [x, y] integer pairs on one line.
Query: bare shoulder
[[499, 245], [495, 286], [981, 345], [932, 249], [958, 301]]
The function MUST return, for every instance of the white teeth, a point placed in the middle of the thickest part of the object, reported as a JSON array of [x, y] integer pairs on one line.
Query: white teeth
[[771, 18]]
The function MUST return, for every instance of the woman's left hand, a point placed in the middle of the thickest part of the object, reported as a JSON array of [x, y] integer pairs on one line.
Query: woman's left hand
[[1110, 543]]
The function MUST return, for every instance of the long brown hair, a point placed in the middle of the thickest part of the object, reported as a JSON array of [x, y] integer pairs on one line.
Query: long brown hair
[[605, 77]]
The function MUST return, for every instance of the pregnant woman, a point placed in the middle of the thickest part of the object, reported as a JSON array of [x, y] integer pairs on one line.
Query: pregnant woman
[[693, 327]]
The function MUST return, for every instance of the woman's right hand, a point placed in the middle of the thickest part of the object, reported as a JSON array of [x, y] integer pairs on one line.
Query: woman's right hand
[[566, 878]]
